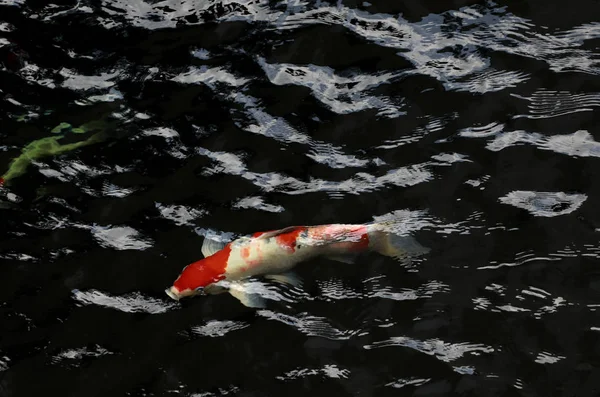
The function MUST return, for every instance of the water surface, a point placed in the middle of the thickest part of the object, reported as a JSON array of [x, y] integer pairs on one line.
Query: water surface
[[132, 129]]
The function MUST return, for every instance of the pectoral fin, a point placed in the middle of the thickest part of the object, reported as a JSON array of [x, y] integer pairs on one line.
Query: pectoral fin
[[214, 289], [252, 300], [288, 278], [344, 258], [209, 246]]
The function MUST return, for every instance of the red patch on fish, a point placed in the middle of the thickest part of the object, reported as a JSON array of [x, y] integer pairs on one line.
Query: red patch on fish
[[1, 181], [204, 272], [288, 240], [363, 240], [258, 234]]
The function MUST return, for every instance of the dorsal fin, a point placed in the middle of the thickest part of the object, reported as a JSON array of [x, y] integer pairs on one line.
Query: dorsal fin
[[210, 246], [274, 233]]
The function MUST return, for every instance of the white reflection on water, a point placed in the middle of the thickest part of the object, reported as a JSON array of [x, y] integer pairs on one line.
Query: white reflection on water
[[534, 300], [216, 328], [403, 382], [547, 103], [120, 238], [129, 303], [75, 81], [445, 46], [548, 358], [253, 118], [180, 214], [577, 144], [229, 163], [257, 203], [334, 289], [310, 325], [78, 354], [443, 351], [342, 95], [329, 371], [4, 363], [545, 204], [209, 76]]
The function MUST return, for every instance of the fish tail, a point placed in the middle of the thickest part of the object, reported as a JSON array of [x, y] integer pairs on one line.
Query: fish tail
[[394, 244]]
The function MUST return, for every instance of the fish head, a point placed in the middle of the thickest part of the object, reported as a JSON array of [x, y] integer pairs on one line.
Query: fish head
[[198, 275], [177, 294]]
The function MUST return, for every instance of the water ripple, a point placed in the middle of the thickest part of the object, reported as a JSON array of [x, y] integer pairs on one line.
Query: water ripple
[[341, 94], [483, 131], [180, 214], [257, 203], [74, 81], [546, 204], [334, 289], [403, 382], [78, 354], [256, 120], [547, 104], [129, 303], [310, 325], [329, 371], [120, 238], [578, 144], [490, 80], [548, 358], [217, 328], [362, 182], [444, 46], [209, 76], [406, 115], [519, 260], [433, 124], [443, 351], [4, 363], [533, 300]]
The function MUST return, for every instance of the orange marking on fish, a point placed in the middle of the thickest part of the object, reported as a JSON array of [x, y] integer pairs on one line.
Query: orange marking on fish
[[245, 252], [204, 272], [288, 240], [252, 262]]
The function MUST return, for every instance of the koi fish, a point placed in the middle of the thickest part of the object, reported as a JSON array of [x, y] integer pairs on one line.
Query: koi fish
[[274, 253]]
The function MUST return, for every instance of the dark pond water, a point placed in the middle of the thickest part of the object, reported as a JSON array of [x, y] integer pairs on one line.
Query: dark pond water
[[130, 129]]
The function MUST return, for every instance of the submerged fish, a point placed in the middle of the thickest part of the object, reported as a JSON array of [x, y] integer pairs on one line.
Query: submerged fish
[[274, 253]]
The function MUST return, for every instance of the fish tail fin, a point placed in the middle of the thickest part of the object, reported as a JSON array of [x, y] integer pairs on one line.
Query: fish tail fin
[[394, 245]]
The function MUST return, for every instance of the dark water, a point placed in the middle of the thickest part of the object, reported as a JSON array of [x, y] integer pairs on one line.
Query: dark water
[[130, 129]]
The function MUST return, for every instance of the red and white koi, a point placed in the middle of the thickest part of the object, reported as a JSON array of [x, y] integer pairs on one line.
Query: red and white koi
[[274, 253]]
